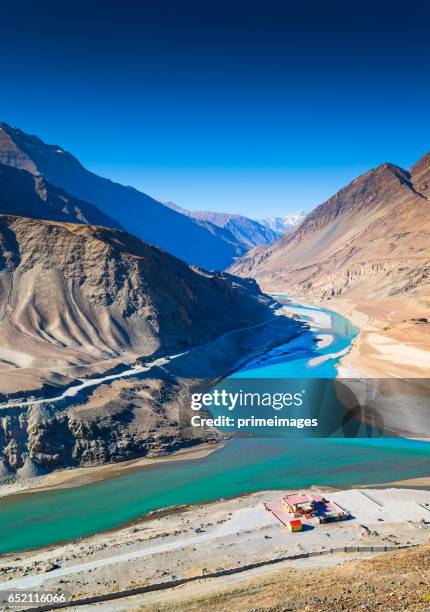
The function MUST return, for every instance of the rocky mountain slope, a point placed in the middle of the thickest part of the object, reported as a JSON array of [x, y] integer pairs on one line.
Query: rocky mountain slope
[[80, 299], [74, 293], [247, 232], [371, 238], [193, 241]]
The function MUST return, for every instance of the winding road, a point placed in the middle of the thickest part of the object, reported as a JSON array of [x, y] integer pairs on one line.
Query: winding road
[[73, 390]]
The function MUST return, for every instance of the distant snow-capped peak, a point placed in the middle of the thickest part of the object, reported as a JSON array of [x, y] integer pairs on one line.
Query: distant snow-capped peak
[[280, 225]]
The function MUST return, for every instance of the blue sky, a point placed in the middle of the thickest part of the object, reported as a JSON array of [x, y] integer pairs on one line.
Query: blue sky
[[256, 108]]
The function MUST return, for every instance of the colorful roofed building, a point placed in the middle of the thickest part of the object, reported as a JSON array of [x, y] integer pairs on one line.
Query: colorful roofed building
[[300, 505], [295, 525], [297, 510], [314, 505]]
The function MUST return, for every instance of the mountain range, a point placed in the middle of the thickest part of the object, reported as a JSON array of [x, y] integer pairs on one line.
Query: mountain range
[[247, 232], [370, 239], [197, 242], [94, 275], [78, 300], [76, 288], [208, 239]]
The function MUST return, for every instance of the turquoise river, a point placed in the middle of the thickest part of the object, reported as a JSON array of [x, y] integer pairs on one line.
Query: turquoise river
[[242, 465]]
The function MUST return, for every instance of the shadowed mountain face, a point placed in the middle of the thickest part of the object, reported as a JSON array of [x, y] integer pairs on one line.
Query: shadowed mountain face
[[28, 195], [76, 293], [247, 232], [195, 242], [372, 237]]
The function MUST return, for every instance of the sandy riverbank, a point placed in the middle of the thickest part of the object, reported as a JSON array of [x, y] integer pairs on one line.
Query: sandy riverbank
[[394, 339], [410, 483], [237, 532]]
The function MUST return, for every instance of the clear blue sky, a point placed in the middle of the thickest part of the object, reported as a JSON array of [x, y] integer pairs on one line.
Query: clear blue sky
[[258, 108]]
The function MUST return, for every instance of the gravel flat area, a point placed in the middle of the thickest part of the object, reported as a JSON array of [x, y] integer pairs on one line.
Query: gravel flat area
[[228, 534]]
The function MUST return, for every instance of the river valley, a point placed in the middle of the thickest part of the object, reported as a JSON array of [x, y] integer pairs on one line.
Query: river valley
[[243, 465]]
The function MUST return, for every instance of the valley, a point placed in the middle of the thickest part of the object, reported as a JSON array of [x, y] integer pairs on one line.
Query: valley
[[108, 327], [365, 254], [259, 463], [214, 307]]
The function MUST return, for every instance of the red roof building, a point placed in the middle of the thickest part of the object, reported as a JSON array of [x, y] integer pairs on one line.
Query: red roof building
[[295, 525]]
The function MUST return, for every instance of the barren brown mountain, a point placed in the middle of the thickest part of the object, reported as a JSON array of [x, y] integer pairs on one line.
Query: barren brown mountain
[[78, 293], [367, 250], [78, 300], [372, 236]]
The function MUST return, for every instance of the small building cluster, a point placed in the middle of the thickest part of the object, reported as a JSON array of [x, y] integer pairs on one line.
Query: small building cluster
[[297, 510]]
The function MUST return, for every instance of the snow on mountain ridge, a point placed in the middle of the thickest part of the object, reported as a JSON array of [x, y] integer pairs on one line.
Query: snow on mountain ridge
[[280, 225]]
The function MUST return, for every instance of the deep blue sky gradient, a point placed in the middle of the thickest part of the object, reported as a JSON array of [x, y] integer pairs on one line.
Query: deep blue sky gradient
[[259, 108]]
